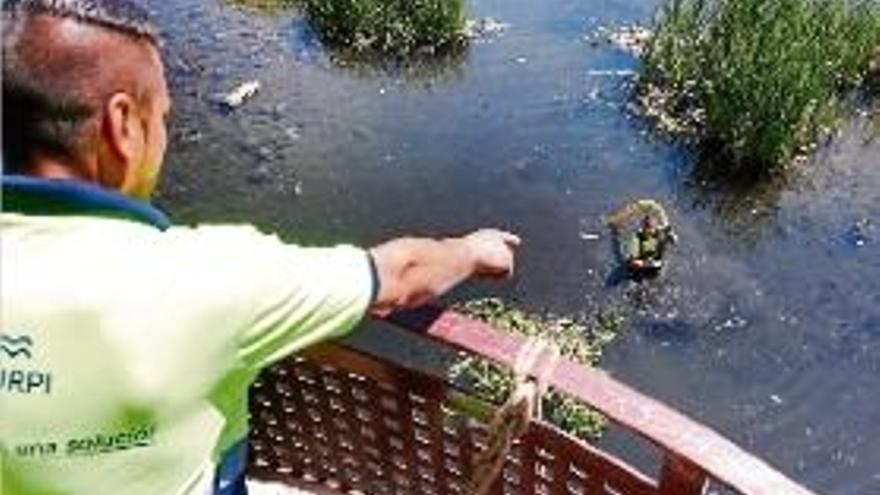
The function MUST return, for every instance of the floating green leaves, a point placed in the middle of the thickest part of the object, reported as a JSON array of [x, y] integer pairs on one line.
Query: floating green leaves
[[577, 341]]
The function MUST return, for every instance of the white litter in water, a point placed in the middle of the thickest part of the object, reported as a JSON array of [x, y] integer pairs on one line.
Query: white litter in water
[[631, 39], [587, 236], [611, 72], [776, 399], [484, 28], [241, 93]]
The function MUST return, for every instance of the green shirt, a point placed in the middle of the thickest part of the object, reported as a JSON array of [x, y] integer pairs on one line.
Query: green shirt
[[644, 247], [127, 351]]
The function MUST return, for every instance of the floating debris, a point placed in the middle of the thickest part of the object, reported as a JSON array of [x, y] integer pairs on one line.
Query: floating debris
[[294, 133], [520, 60], [776, 399], [484, 28], [658, 105], [191, 136], [243, 92], [612, 72], [859, 233], [732, 323], [589, 236], [632, 39]]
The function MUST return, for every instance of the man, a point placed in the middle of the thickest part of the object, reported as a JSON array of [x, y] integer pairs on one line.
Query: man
[[128, 345], [647, 247]]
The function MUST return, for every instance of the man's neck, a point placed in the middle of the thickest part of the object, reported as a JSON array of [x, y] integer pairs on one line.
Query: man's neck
[[51, 168]]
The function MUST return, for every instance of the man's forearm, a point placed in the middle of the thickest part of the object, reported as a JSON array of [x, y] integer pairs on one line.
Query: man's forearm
[[413, 271]]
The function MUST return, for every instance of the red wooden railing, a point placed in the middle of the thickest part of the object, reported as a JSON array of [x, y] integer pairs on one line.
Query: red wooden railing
[[342, 418]]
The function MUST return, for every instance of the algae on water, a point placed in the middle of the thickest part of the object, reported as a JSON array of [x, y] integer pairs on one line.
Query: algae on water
[[578, 341]]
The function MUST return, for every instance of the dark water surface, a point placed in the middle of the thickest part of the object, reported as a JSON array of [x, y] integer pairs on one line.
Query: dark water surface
[[767, 324]]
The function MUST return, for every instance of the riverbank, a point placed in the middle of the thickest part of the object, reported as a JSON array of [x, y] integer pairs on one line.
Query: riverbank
[[757, 84]]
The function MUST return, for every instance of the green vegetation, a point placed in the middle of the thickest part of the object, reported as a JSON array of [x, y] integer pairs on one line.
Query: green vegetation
[[578, 342], [757, 83], [395, 27], [388, 26]]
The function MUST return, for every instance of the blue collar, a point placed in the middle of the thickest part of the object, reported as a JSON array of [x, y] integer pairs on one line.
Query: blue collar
[[38, 196]]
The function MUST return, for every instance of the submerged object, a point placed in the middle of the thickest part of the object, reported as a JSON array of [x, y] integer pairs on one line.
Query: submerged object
[[243, 92]]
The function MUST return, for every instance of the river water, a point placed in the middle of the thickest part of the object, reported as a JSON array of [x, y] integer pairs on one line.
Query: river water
[[766, 325]]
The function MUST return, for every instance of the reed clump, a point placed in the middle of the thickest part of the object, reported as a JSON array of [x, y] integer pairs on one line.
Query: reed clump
[[578, 341], [388, 26], [757, 83]]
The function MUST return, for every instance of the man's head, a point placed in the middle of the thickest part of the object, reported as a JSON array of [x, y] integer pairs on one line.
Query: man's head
[[649, 224], [84, 93]]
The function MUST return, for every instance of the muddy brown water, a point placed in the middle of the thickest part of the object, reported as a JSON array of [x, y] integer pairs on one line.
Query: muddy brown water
[[766, 326]]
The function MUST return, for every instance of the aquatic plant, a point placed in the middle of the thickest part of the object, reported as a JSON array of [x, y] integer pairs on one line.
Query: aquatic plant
[[757, 82], [388, 26], [577, 341]]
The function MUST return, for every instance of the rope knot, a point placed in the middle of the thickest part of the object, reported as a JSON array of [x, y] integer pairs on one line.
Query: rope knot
[[533, 366]]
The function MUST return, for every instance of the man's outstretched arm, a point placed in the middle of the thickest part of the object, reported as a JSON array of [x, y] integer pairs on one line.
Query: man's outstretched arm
[[414, 271]]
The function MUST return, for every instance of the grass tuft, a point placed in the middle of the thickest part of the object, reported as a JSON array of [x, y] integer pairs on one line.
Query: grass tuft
[[396, 27], [581, 343], [758, 82]]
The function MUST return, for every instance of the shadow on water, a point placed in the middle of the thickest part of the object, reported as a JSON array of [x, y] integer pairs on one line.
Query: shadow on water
[[764, 323], [743, 206], [446, 66]]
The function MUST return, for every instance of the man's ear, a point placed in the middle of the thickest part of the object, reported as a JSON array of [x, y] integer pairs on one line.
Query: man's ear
[[123, 135]]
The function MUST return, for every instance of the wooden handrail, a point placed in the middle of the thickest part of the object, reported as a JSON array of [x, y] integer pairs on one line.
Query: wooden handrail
[[691, 448]]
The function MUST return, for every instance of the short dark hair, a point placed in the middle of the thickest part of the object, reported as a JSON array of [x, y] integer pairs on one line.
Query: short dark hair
[[40, 112]]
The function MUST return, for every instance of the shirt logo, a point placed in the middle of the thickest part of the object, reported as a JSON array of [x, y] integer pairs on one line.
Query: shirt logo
[[17, 376], [16, 346]]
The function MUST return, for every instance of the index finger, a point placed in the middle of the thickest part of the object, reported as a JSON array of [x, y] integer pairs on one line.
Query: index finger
[[510, 239]]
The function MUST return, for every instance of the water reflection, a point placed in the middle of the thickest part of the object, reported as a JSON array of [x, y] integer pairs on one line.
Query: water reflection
[[445, 66], [744, 208]]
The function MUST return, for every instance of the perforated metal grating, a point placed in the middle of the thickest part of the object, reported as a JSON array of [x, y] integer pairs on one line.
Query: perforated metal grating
[[351, 422], [355, 423]]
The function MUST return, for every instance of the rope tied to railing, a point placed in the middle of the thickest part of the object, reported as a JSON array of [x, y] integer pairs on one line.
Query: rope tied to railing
[[535, 361]]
